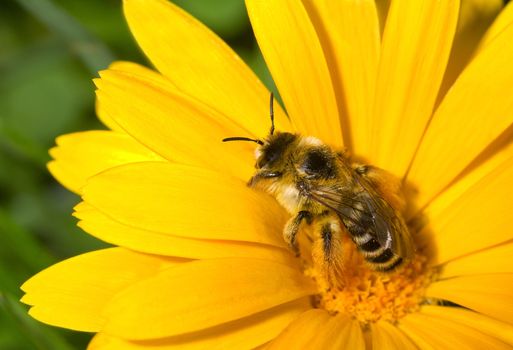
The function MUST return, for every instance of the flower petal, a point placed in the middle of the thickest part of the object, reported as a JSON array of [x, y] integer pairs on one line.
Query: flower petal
[[186, 201], [202, 294], [104, 117], [475, 18], [317, 330], [491, 295], [73, 293], [295, 58], [477, 218], [171, 124], [107, 229], [415, 50], [430, 332], [387, 336], [472, 115], [383, 6], [352, 336], [301, 331], [247, 333], [201, 64], [504, 19], [80, 155], [129, 67], [340, 332], [350, 37], [492, 260], [491, 160], [139, 70], [487, 325]]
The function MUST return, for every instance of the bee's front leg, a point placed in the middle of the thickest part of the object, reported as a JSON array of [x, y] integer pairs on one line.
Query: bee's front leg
[[292, 227]]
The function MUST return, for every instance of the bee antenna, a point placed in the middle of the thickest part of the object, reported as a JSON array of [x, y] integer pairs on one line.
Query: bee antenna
[[271, 108], [260, 142]]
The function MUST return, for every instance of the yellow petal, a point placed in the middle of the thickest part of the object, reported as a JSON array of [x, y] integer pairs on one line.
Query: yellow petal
[[129, 67], [139, 70], [202, 294], [430, 332], [173, 125], [352, 336], [186, 201], [245, 333], [316, 330], [475, 18], [387, 336], [107, 229], [415, 50], [73, 293], [478, 218], [295, 58], [486, 325], [105, 118], [382, 6], [81, 155], [350, 36], [491, 295], [504, 19], [472, 115], [340, 332], [124, 66], [411, 331], [488, 162], [301, 331], [492, 260], [200, 64]]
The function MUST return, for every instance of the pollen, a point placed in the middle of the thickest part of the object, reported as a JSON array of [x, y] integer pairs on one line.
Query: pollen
[[368, 295]]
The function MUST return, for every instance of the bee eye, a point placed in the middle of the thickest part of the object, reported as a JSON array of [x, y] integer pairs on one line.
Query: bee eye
[[267, 158], [318, 164]]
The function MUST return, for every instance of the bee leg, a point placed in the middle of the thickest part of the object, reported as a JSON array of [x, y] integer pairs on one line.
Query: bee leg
[[327, 249], [330, 237], [292, 227]]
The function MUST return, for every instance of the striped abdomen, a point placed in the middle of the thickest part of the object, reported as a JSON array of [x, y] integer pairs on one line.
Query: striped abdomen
[[377, 255]]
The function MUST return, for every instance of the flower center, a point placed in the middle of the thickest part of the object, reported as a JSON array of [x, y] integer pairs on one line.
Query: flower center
[[368, 295]]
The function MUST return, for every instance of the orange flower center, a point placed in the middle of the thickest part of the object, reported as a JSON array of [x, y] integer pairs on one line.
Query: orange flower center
[[366, 294]]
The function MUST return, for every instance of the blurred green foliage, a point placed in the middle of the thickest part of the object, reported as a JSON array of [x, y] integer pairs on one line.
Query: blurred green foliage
[[50, 51]]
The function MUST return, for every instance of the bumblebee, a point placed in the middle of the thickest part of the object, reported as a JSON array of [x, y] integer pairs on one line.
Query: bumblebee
[[322, 187]]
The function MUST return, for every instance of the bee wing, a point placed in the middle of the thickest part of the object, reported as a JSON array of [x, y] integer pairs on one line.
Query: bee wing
[[389, 228]]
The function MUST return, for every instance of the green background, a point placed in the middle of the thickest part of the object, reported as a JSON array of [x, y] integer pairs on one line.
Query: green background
[[49, 53], [50, 50]]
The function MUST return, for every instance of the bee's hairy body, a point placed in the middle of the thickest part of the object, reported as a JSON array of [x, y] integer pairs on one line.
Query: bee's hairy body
[[320, 186]]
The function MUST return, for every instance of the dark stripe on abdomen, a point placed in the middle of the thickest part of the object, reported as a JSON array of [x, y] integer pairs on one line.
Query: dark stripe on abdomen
[[393, 265], [385, 256], [370, 246]]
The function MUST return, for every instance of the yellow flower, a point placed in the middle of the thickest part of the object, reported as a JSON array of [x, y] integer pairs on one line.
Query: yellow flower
[[200, 262]]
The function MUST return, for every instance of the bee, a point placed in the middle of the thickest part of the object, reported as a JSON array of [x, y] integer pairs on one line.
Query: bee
[[321, 186]]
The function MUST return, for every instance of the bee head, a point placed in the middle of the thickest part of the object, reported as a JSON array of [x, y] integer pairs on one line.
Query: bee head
[[272, 152], [271, 157], [269, 154]]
